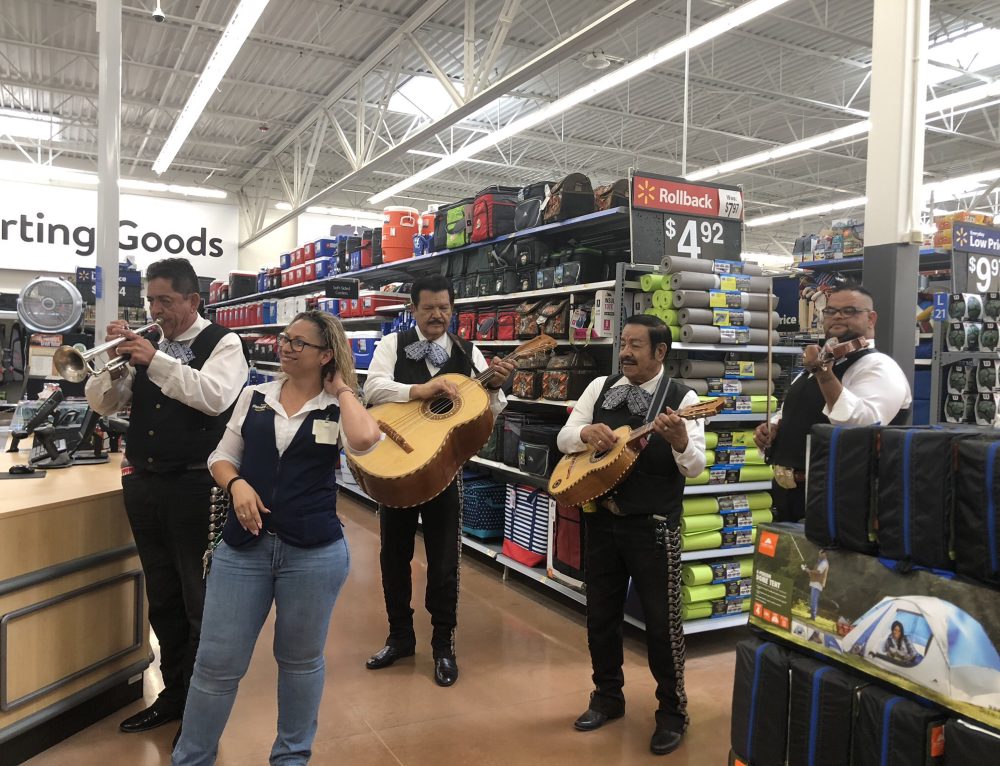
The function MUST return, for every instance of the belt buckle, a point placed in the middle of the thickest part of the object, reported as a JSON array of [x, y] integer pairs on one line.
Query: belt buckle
[[784, 477]]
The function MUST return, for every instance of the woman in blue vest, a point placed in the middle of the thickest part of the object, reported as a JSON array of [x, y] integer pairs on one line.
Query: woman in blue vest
[[282, 541]]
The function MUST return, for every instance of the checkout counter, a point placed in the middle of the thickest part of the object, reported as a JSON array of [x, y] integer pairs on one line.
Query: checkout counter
[[74, 637]]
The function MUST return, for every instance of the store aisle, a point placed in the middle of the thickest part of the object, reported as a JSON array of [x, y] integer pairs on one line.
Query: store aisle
[[524, 679]]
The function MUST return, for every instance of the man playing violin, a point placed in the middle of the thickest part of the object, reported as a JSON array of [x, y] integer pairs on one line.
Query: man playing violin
[[859, 387], [633, 530]]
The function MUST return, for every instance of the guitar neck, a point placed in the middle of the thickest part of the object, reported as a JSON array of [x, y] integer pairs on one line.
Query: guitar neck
[[688, 413]]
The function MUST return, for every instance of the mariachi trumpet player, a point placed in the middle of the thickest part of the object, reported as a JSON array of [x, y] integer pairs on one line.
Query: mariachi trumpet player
[[181, 392]]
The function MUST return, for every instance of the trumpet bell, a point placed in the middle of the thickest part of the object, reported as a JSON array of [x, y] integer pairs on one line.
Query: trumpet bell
[[70, 364]]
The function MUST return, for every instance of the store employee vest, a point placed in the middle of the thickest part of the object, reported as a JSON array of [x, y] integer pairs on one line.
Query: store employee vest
[[165, 434], [413, 372], [803, 408], [655, 484], [299, 488]]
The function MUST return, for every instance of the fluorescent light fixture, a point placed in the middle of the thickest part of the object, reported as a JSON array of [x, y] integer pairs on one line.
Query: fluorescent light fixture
[[787, 150], [768, 259], [421, 97], [708, 31], [806, 212], [974, 48], [439, 155], [37, 126], [235, 34], [341, 212], [44, 174]]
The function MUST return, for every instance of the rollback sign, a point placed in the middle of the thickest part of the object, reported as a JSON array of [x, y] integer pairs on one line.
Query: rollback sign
[[673, 217], [975, 258], [54, 229]]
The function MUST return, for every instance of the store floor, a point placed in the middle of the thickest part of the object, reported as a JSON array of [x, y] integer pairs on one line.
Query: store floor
[[525, 676]]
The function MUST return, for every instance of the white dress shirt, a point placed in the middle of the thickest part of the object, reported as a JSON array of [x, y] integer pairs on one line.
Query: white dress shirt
[[380, 387], [230, 446], [211, 390], [690, 462], [875, 389]]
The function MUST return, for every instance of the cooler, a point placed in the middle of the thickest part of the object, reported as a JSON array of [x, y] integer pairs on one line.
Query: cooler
[[398, 227]]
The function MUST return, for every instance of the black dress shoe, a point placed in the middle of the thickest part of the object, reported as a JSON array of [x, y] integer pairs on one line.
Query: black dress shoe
[[593, 719], [665, 741], [385, 656], [445, 671], [150, 718]]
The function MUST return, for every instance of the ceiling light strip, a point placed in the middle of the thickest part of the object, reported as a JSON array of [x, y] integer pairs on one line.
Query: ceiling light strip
[[708, 31], [235, 34]]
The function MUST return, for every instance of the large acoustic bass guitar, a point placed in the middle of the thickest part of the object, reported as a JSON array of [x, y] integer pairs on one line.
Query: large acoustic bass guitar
[[584, 476], [428, 441]]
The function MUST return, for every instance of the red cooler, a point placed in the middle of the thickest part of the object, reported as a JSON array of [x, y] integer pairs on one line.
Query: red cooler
[[427, 223], [398, 227]]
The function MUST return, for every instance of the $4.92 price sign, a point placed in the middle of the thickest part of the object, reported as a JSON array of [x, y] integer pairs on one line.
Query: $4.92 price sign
[[694, 237]]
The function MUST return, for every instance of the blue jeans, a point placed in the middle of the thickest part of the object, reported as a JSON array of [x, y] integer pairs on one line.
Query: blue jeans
[[303, 583], [814, 602]]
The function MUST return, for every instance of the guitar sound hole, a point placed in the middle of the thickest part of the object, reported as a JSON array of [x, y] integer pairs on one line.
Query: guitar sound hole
[[600, 455], [441, 407]]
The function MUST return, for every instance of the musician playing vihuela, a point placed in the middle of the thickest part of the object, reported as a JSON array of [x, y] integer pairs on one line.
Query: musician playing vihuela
[[633, 529], [408, 366]]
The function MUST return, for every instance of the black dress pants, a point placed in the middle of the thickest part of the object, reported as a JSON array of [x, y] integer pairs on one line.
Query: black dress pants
[[441, 519], [168, 513], [647, 550], [789, 504]]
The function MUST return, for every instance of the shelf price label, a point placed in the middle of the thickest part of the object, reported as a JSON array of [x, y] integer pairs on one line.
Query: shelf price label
[[975, 258], [694, 238], [730, 204]]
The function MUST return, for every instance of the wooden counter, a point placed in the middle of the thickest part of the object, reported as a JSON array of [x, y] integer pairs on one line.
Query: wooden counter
[[74, 638]]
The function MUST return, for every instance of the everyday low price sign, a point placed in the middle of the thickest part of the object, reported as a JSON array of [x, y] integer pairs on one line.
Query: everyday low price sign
[[975, 258]]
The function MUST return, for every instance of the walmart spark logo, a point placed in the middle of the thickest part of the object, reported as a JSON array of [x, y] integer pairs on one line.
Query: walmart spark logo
[[961, 239], [645, 192]]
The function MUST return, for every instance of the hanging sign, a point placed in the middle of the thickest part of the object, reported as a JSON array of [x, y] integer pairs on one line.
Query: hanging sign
[[673, 217], [975, 258]]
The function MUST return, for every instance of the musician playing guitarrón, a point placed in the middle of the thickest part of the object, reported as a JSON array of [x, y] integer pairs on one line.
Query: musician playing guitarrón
[[633, 531], [405, 367], [862, 388], [182, 392]]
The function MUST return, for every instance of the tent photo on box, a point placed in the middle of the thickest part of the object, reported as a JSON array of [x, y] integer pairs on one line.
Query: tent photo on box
[[954, 655]]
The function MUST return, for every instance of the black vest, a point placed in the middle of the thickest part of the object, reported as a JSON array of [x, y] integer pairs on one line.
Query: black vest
[[299, 488], [655, 484], [165, 434], [803, 408], [413, 372]]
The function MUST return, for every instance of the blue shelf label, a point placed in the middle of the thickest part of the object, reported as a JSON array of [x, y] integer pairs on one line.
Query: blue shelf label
[[940, 307]]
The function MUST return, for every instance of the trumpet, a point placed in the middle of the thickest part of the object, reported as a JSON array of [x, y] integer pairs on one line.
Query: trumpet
[[76, 366]]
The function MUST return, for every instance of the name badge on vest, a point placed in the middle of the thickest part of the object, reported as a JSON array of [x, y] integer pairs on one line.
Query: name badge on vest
[[326, 431]]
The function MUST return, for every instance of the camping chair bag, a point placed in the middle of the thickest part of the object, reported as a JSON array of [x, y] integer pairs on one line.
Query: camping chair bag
[[915, 496], [894, 731], [977, 510], [970, 744], [759, 725], [567, 541], [526, 524], [821, 704], [841, 484]]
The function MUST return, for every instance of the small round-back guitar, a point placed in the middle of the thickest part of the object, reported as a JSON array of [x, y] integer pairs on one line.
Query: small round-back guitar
[[428, 441], [583, 476]]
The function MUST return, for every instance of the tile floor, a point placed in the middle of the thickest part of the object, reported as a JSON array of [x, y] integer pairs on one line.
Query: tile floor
[[524, 678]]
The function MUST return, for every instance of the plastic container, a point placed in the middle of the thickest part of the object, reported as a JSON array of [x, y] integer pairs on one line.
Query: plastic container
[[398, 227]]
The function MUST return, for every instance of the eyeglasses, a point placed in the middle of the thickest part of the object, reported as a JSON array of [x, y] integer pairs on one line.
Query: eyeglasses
[[846, 311], [297, 344]]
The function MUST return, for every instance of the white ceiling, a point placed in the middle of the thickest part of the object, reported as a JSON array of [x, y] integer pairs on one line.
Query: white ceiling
[[293, 94]]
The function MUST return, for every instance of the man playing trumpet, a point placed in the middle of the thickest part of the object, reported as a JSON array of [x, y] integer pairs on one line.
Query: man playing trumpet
[[181, 393]]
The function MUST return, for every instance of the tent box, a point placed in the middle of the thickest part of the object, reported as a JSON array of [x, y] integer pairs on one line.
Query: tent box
[[935, 637]]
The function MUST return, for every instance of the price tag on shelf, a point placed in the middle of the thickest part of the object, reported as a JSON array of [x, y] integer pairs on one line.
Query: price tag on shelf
[[730, 204]]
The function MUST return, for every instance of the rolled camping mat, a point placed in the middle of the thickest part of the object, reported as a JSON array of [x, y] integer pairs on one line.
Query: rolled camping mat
[[756, 319], [691, 525], [737, 438], [692, 594], [746, 387], [756, 473], [663, 299], [675, 333], [690, 280], [701, 574], [672, 367], [758, 404], [709, 457], [706, 504], [703, 609], [653, 282], [672, 264], [669, 316], [702, 299], [699, 333], [698, 368], [705, 541]]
